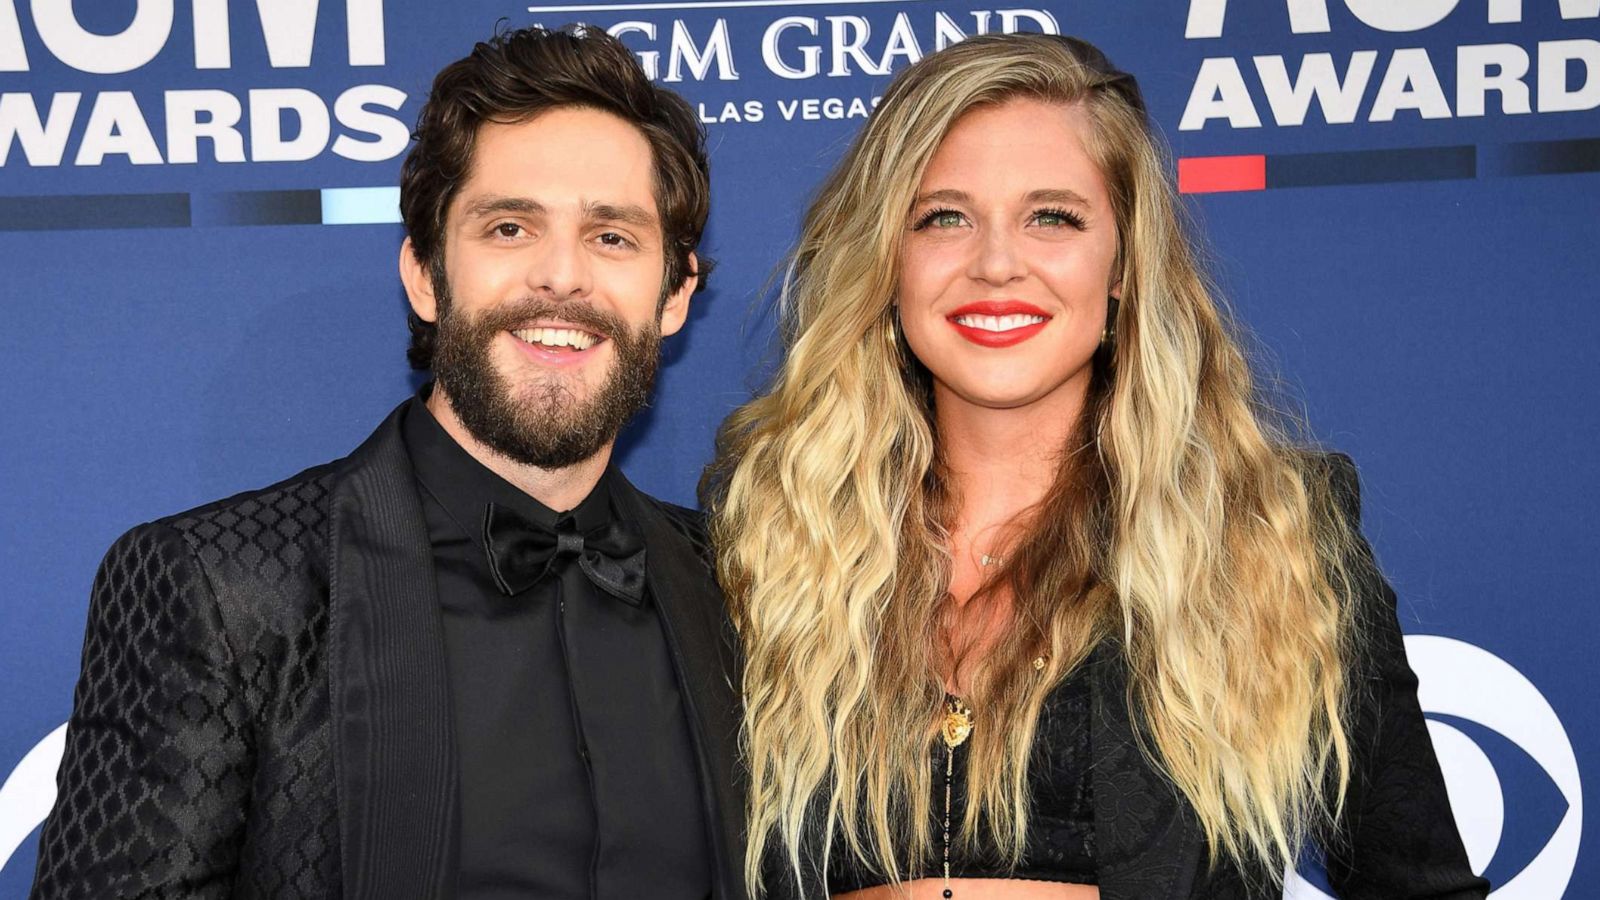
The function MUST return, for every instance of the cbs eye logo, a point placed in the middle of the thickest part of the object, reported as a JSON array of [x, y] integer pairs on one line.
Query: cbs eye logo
[[29, 792], [1489, 722]]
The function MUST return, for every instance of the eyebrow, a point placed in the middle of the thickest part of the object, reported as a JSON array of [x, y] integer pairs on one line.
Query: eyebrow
[[626, 213], [946, 195], [1057, 195], [1044, 195], [494, 205]]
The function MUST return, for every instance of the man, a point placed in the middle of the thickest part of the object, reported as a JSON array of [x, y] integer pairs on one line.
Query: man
[[469, 660]]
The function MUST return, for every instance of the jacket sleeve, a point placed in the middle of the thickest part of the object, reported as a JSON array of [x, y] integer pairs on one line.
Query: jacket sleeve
[[1397, 837], [153, 786]]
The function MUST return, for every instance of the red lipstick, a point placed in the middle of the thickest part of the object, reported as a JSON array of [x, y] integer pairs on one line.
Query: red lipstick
[[997, 309]]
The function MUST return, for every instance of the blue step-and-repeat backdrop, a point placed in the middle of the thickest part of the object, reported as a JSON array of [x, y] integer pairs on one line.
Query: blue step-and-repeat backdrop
[[1399, 197]]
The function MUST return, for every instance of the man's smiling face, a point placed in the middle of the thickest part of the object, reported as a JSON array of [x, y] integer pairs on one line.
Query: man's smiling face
[[550, 309]]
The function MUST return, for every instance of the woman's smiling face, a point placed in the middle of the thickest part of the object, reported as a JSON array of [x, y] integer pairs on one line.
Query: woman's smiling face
[[1007, 266]]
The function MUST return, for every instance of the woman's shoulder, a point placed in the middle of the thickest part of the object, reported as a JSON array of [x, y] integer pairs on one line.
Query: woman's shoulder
[[1334, 471]]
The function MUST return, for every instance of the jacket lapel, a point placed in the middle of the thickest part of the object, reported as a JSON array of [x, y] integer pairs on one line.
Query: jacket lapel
[[705, 652], [394, 746], [1148, 841]]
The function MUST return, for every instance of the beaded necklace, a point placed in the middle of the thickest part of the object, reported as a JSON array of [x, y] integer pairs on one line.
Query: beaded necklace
[[956, 729]]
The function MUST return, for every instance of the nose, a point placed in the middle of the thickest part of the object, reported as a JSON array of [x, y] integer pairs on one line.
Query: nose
[[997, 259], [561, 268]]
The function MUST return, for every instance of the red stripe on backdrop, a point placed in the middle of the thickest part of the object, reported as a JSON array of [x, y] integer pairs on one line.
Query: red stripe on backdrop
[[1214, 174]]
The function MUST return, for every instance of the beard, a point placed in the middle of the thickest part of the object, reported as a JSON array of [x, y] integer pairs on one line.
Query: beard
[[541, 422]]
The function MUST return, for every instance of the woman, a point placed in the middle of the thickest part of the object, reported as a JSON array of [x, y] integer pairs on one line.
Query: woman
[[1036, 601]]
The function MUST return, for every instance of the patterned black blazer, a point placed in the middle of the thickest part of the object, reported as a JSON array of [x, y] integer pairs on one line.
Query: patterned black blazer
[[263, 712]]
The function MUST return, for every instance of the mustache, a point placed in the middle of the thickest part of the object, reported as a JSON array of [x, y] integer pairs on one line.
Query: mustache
[[577, 312]]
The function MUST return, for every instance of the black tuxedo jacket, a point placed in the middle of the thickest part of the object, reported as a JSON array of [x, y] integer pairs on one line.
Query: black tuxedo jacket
[[263, 710]]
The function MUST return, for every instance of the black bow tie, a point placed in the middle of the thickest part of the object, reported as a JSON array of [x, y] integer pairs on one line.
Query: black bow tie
[[522, 551]]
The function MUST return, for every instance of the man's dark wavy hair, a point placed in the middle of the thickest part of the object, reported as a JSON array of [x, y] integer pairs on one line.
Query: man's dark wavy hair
[[517, 75]]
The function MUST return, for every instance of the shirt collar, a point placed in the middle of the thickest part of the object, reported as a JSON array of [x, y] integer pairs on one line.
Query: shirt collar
[[464, 487]]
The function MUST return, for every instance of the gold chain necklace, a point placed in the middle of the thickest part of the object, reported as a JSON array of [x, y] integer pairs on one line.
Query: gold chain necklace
[[955, 730]]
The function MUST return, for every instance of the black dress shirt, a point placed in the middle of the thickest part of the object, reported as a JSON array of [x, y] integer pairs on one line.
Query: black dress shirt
[[578, 772]]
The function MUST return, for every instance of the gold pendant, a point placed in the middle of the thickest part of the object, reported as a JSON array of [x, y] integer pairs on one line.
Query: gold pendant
[[957, 723]]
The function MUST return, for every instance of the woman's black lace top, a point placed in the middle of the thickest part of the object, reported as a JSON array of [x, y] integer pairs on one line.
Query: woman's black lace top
[[1060, 840]]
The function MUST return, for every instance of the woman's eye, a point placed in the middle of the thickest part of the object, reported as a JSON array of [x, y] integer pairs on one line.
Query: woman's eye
[[1051, 218], [940, 219]]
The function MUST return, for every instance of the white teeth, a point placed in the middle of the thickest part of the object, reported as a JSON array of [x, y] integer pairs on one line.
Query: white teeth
[[556, 337], [998, 323]]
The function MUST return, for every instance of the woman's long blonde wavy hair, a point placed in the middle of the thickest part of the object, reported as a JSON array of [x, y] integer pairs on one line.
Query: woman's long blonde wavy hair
[[1188, 533]]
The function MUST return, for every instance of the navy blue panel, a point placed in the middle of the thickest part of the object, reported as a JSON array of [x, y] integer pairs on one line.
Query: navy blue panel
[[257, 208], [1371, 166], [1547, 158], [94, 212]]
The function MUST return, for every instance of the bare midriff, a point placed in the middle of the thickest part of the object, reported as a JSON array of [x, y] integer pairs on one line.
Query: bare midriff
[[976, 889]]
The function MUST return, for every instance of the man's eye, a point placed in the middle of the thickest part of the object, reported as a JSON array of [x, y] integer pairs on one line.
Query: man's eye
[[612, 239], [508, 230]]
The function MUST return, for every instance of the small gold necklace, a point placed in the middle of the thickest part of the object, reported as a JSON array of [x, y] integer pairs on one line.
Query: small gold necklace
[[955, 730]]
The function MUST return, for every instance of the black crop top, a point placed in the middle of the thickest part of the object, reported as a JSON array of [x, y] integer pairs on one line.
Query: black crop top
[[1060, 841]]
